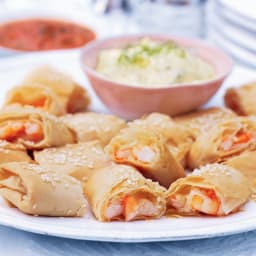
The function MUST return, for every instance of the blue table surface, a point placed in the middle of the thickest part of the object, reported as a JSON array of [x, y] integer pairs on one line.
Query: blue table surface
[[16, 242]]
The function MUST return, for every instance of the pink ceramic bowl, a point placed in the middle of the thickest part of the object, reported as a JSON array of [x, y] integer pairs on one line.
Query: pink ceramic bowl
[[132, 102]]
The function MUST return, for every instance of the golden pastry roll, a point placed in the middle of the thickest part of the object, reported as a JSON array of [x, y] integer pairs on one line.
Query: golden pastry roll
[[33, 128], [36, 96], [78, 160], [214, 189], [73, 96], [94, 126], [146, 150], [222, 141], [178, 138], [120, 192], [202, 120], [246, 164], [39, 191], [242, 99], [13, 153]]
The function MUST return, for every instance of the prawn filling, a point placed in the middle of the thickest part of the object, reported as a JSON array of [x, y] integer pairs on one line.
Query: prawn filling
[[236, 141], [40, 101], [35, 98], [139, 205], [197, 200], [25, 129], [142, 153]]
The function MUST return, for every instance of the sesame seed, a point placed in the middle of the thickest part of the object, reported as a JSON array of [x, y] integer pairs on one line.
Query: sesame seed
[[84, 178], [69, 212]]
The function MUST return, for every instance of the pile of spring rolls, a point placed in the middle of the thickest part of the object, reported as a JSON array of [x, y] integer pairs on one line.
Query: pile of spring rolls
[[58, 159]]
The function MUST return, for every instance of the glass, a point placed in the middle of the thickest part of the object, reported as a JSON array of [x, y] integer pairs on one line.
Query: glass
[[176, 17], [107, 6], [114, 15]]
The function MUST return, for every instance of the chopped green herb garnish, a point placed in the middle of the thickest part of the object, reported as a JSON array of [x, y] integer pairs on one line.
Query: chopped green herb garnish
[[140, 54], [180, 53]]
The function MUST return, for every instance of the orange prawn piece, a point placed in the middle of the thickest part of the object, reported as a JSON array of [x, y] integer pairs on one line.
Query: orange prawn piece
[[144, 154], [141, 153], [12, 130], [130, 205], [122, 154], [207, 203], [23, 129], [34, 131], [38, 103], [197, 202], [242, 138], [137, 206], [228, 142]]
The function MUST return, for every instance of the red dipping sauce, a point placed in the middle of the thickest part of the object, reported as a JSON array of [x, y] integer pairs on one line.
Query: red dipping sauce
[[41, 34]]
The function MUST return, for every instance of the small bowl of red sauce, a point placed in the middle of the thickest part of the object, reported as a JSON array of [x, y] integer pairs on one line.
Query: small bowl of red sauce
[[43, 34]]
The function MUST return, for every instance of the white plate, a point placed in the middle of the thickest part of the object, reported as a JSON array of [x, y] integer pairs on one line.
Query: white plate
[[246, 9], [12, 71], [239, 53]]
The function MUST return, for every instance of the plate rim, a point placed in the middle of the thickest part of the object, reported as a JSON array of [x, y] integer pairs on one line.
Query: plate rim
[[125, 236], [130, 236], [224, 4]]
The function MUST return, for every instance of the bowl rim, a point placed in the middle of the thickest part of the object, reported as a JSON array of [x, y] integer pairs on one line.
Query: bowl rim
[[138, 36], [48, 18]]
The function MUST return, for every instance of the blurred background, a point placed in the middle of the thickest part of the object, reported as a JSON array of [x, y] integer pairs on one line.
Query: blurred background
[[229, 24]]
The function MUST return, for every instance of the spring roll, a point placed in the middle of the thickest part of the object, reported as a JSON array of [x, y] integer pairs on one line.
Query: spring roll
[[222, 141], [38, 191], [13, 153], [202, 120], [246, 164], [78, 160], [178, 138], [73, 96], [119, 192], [146, 150], [213, 189], [33, 128], [36, 96], [242, 99], [94, 126]]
